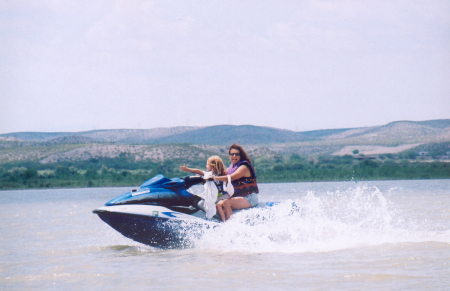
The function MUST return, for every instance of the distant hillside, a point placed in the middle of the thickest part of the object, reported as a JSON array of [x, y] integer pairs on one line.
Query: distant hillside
[[137, 152], [33, 136], [106, 135], [394, 133], [402, 132], [228, 134], [69, 140], [220, 135], [143, 136], [186, 143]]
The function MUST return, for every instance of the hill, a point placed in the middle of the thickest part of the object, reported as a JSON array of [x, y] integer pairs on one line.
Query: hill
[[108, 135], [160, 144], [394, 133], [228, 134]]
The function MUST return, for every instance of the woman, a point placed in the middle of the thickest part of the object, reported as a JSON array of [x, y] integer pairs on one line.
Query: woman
[[243, 179]]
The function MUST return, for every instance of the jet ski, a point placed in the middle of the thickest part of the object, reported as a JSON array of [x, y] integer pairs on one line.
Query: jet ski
[[161, 213]]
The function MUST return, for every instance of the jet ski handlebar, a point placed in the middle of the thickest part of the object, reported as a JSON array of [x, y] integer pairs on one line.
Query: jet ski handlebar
[[190, 181]]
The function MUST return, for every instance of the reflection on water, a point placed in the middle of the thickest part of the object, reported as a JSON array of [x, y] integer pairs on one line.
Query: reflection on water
[[370, 235]]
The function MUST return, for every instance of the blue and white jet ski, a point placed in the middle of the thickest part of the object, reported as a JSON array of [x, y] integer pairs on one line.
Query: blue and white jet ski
[[160, 213]]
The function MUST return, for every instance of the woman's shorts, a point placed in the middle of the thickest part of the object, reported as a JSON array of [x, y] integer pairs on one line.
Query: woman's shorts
[[252, 199]]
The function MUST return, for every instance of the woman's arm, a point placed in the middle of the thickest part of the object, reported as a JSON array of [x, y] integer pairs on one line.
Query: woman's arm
[[194, 171], [242, 171]]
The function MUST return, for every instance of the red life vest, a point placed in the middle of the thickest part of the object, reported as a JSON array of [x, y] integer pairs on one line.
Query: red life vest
[[245, 185]]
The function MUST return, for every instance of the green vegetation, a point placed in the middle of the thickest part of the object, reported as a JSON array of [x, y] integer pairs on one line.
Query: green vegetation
[[125, 171], [347, 168], [92, 173]]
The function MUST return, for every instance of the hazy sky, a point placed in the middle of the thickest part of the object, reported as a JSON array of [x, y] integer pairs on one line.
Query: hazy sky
[[300, 65]]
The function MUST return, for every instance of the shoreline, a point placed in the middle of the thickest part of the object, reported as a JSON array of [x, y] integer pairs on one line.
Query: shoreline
[[274, 182]]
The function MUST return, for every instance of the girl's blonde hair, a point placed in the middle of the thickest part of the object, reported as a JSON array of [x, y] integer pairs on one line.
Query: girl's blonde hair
[[217, 165]]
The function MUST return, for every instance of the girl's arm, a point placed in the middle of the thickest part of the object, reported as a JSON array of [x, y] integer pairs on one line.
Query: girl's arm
[[195, 171], [242, 171]]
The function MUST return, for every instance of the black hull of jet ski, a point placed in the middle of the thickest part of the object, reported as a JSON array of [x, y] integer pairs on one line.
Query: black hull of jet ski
[[146, 230], [161, 229]]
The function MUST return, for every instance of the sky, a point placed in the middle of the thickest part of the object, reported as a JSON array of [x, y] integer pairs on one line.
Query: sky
[[299, 65]]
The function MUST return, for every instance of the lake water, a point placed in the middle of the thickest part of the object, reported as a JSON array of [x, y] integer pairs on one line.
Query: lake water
[[380, 235]]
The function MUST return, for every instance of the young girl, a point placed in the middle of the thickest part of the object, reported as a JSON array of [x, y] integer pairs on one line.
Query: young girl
[[215, 165]]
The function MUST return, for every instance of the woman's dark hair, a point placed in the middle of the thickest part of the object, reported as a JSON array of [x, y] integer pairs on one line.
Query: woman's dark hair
[[244, 156]]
